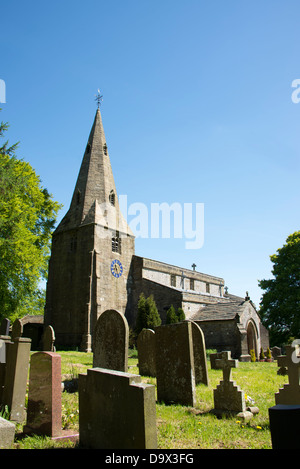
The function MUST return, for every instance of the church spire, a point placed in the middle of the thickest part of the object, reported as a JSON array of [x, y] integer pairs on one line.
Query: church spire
[[95, 198]]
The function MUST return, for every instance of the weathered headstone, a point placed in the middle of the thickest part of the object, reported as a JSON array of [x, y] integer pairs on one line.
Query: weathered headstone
[[44, 395], [284, 417], [284, 426], [2, 351], [48, 339], [228, 398], [4, 327], [199, 349], [7, 433], [146, 352], [4, 340], [276, 352], [175, 373], [110, 341], [17, 329], [290, 393], [213, 357], [116, 411], [17, 363]]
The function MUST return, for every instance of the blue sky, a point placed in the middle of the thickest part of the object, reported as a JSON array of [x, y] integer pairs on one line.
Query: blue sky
[[196, 108]]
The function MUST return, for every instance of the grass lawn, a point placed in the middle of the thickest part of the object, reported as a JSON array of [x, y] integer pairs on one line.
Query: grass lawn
[[180, 427]]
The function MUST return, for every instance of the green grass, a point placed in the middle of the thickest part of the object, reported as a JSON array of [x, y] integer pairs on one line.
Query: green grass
[[180, 427]]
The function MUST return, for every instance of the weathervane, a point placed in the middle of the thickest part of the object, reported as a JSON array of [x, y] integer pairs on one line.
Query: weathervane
[[98, 98]]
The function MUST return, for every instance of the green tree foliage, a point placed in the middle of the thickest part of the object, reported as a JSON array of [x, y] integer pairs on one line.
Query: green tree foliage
[[280, 304], [5, 149], [27, 218], [173, 316], [180, 314], [148, 316]]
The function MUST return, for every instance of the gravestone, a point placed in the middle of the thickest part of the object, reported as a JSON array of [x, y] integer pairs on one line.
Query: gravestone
[[2, 350], [228, 398], [7, 433], [290, 393], [276, 352], [199, 350], [213, 357], [175, 373], [48, 339], [4, 327], [284, 426], [17, 363], [110, 341], [116, 411], [146, 352], [4, 340], [17, 329], [284, 417], [44, 395]]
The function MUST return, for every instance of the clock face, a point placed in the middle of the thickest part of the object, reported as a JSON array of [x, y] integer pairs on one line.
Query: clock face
[[116, 268]]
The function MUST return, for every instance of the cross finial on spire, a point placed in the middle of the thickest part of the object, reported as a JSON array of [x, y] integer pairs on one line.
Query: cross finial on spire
[[98, 98]]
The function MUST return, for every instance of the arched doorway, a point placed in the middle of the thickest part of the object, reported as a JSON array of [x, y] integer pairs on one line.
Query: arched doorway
[[252, 338]]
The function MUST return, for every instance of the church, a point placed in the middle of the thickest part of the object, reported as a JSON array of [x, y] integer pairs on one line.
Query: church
[[93, 267]]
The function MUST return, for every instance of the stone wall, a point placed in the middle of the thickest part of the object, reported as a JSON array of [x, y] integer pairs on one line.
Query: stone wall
[[221, 335], [184, 279], [153, 277], [68, 287], [81, 285]]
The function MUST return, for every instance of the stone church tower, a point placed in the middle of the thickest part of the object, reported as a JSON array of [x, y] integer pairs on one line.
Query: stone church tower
[[91, 254]]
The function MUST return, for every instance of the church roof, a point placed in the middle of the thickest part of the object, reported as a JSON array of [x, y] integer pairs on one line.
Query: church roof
[[221, 311]]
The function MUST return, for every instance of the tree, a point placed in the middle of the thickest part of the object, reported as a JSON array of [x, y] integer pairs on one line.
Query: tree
[[5, 149], [180, 314], [148, 316], [280, 304], [173, 316], [27, 218]]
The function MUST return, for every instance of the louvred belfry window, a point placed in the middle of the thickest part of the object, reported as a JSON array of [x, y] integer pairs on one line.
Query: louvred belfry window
[[116, 243]]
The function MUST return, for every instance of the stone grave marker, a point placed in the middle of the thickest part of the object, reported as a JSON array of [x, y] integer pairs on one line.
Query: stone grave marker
[[146, 352], [44, 398], [4, 340], [290, 393], [199, 349], [7, 433], [4, 327], [44, 395], [228, 397], [116, 411], [276, 352], [213, 357], [110, 341], [2, 351], [284, 426], [48, 339], [175, 372], [284, 417], [17, 329], [14, 391]]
